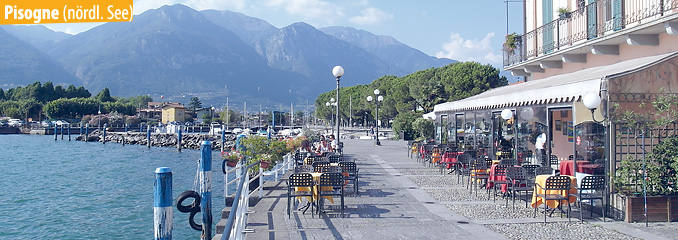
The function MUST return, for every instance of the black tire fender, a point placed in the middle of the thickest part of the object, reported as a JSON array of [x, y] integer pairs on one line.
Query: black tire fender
[[191, 220], [188, 208]]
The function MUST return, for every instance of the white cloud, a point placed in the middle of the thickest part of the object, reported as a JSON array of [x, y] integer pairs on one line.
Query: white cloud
[[310, 9], [462, 49], [371, 16]]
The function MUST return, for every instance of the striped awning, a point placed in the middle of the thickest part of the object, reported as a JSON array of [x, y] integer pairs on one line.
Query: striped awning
[[555, 89]]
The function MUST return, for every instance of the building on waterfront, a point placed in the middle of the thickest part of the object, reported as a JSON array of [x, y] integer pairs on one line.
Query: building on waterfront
[[624, 51], [173, 112]]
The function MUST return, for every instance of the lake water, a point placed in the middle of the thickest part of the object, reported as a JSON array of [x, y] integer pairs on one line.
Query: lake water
[[77, 190]]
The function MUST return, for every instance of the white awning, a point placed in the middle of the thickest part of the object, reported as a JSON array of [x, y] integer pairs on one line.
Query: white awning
[[555, 89], [430, 116]]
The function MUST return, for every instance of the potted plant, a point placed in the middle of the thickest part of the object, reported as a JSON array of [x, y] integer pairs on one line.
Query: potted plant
[[564, 13], [654, 175], [511, 42], [232, 158], [265, 161]]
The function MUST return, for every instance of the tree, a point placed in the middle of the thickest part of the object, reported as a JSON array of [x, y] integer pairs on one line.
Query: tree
[[425, 127], [403, 122], [105, 96], [2, 94], [194, 104]]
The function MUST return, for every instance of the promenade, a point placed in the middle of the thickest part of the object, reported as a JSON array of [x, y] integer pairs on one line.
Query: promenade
[[402, 199]]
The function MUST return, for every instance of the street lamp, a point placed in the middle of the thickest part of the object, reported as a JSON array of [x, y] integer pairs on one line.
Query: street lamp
[[338, 71], [379, 99]]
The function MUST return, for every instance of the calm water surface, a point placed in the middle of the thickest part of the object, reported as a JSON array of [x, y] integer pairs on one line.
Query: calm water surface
[[77, 190]]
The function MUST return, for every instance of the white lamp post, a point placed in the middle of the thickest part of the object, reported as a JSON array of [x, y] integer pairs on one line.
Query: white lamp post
[[379, 99], [338, 71]]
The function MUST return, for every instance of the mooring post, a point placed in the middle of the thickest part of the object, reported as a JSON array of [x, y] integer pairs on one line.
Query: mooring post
[[69, 132], [103, 139], [206, 189], [55, 132], [81, 130], [200, 129], [62, 132], [223, 137], [162, 204], [148, 136], [86, 132], [179, 140], [126, 126], [141, 127]]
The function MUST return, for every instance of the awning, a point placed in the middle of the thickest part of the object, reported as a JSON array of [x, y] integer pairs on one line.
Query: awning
[[430, 116], [555, 89]]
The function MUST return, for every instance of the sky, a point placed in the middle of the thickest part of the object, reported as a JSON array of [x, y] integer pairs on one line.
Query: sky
[[464, 30]]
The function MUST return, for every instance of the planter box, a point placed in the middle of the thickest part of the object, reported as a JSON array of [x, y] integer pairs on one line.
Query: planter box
[[659, 208]]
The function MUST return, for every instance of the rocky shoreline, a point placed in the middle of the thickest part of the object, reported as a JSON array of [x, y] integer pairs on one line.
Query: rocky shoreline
[[188, 141]]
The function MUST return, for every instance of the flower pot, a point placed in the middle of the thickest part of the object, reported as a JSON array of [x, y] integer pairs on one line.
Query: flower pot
[[231, 163], [265, 164]]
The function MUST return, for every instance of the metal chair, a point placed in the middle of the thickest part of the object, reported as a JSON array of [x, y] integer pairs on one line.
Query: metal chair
[[303, 169], [334, 158], [559, 184], [318, 165], [335, 181], [463, 167], [530, 169], [478, 172], [591, 188], [328, 169], [517, 181], [499, 172], [508, 161], [553, 160], [543, 171], [298, 180], [351, 170]]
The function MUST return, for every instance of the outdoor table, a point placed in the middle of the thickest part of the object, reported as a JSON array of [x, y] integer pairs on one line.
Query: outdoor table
[[541, 180], [450, 158], [492, 178], [566, 167], [316, 178]]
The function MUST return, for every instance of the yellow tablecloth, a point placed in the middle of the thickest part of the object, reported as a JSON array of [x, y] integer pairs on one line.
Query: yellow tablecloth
[[541, 180], [316, 178]]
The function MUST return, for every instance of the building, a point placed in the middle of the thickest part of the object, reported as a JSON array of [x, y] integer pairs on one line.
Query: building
[[623, 51], [173, 112]]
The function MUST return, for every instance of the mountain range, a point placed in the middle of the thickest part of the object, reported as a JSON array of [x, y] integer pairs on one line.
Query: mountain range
[[178, 52]]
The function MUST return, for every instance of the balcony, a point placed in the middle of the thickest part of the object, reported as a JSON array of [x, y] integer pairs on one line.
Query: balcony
[[598, 28]]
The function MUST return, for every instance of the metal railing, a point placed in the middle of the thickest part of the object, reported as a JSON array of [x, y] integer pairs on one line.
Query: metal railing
[[591, 21], [237, 218]]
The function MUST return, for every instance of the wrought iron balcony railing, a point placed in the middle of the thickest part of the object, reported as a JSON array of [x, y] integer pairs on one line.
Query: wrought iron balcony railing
[[588, 22]]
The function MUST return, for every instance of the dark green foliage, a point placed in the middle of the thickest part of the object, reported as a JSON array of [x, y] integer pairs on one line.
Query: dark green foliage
[[105, 96], [194, 104], [419, 91], [661, 174], [2, 94], [403, 122]]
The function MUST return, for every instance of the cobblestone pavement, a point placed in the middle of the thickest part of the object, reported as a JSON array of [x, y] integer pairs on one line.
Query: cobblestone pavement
[[402, 199]]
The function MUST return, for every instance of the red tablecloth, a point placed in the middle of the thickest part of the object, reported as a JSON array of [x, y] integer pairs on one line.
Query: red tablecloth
[[566, 167], [450, 158]]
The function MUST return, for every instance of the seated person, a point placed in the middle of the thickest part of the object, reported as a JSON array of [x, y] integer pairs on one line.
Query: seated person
[[324, 146]]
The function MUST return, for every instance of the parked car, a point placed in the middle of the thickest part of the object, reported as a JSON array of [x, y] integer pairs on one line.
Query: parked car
[[16, 122]]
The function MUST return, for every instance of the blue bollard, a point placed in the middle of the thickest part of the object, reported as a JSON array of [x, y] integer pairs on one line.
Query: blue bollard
[[55, 133], [141, 127], [162, 204], [148, 137], [81, 130], [205, 171], [223, 137], [62, 132], [126, 125], [86, 132], [69, 132], [103, 139], [179, 140]]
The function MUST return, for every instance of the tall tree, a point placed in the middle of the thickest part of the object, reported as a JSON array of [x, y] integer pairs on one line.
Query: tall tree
[[105, 96], [2, 94], [195, 103]]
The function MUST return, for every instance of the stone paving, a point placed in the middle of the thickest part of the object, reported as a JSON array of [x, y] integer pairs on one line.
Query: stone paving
[[402, 199]]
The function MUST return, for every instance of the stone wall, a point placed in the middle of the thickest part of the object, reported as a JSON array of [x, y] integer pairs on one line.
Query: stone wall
[[189, 141]]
